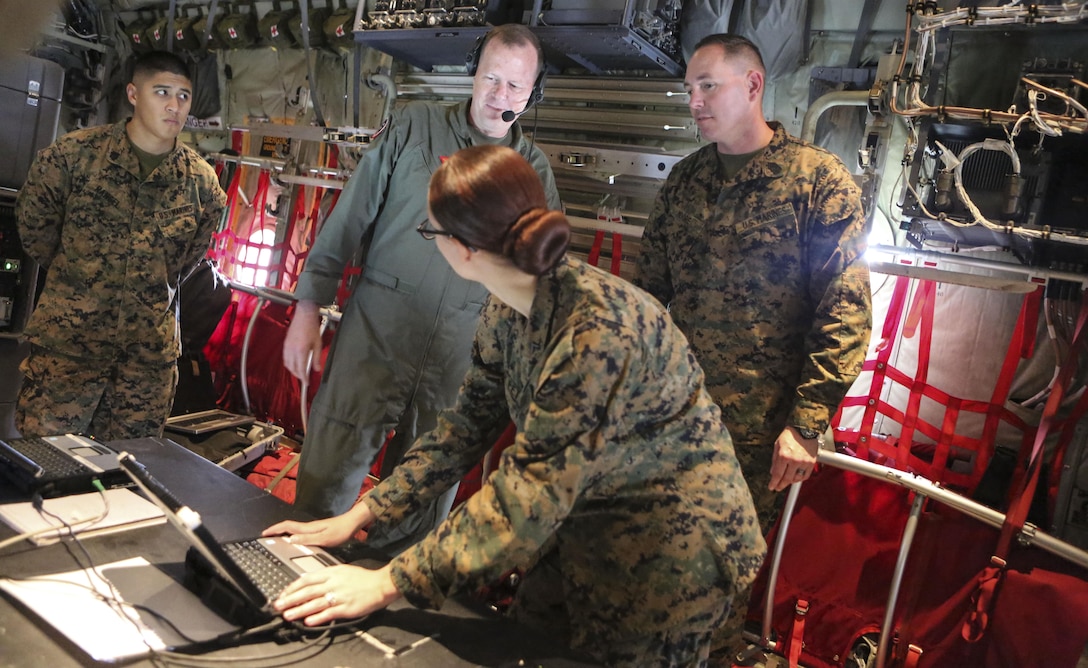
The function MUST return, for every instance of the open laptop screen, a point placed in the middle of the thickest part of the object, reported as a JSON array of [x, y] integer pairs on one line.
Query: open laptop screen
[[188, 522]]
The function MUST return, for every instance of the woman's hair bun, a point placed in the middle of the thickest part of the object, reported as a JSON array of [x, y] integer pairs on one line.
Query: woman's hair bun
[[537, 240]]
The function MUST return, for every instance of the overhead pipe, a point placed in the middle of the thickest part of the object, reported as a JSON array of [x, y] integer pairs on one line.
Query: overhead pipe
[[841, 98]]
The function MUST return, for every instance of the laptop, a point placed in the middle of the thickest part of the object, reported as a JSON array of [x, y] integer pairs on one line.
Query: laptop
[[60, 465], [238, 580]]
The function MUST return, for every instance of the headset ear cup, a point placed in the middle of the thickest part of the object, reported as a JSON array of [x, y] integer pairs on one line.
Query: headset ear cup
[[472, 58], [538, 86]]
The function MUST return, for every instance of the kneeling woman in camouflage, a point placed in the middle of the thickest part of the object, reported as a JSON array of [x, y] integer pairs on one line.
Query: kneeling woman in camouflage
[[621, 497]]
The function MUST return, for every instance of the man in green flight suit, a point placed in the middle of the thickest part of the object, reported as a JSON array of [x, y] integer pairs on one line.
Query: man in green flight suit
[[404, 340], [119, 215]]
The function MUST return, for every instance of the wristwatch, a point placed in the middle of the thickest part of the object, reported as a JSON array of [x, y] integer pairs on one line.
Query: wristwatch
[[808, 434]]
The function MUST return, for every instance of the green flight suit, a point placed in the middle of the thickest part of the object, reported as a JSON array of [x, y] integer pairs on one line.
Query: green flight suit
[[403, 342]]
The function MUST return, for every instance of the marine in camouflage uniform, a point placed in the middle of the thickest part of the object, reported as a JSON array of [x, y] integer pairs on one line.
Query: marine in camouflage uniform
[[104, 333], [763, 274], [621, 495], [755, 244]]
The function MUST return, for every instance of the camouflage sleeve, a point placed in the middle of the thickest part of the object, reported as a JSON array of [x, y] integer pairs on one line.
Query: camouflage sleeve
[[40, 207], [557, 454], [652, 266], [211, 203], [839, 286]]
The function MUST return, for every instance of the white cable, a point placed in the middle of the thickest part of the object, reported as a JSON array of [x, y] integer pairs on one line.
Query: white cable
[[74, 527], [928, 214], [1069, 101], [1068, 12], [1043, 127]]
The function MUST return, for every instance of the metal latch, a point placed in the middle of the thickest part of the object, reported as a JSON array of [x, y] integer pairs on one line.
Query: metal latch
[[576, 159], [33, 92]]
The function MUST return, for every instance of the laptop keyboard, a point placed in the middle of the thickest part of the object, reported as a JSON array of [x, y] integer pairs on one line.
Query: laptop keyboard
[[55, 462], [265, 570]]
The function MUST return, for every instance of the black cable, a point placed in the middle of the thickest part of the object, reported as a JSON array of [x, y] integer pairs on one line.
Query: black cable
[[304, 8], [315, 646], [532, 138], [225, 640], [228, 639], [114, 602], [356, 87]]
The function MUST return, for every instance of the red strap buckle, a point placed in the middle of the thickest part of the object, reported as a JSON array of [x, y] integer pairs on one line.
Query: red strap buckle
[[982, 600], [797, 635]]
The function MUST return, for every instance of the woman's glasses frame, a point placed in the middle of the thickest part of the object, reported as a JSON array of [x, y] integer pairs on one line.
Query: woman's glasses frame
[[429, 233]]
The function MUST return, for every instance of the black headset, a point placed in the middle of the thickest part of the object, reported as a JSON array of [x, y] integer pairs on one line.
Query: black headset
[[472, 61]]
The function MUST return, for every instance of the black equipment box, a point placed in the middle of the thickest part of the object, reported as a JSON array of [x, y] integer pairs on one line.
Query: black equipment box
[[30, 101], [18, 272]]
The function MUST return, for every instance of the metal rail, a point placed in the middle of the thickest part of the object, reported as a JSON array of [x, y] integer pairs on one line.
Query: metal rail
[[925, 489], [284, 298], [909, 261], [1029, 535]]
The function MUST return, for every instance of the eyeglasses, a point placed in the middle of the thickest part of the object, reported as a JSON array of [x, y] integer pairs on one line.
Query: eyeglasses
[[429, 233]]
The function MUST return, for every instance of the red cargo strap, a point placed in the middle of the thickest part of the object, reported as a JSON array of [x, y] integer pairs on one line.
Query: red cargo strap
[[1027, 478], [914, 653], [595, 250], [1022, 489], [983, 599], [1058, 462], [617, 253], [797, 634], [594, 256], [903, 452]]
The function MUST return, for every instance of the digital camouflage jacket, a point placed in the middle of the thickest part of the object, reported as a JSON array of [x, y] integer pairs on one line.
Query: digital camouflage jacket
[[621, 470], [764, 274], [116, 248]]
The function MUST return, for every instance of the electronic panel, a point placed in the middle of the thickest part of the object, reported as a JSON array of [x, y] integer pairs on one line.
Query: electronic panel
[[18, 274], [997, 152]]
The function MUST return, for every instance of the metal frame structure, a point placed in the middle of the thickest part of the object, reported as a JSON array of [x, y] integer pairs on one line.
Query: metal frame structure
[[1029, 535]]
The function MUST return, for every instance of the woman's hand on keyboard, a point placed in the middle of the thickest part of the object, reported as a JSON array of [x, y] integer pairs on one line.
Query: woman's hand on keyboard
[[337, 592], [325, 533]]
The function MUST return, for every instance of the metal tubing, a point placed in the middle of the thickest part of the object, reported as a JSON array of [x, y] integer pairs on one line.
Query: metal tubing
[[1029, 534], [619, 90], [919, 257], [897, 578], [579, 223], [274, 164], [283, 298], [280, 297], [389, 87], [314, 181], [841, 98], [245, 350], [776, 560]]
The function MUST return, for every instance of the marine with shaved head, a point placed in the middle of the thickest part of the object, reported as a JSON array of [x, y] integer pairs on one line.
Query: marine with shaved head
[[118, 215]]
